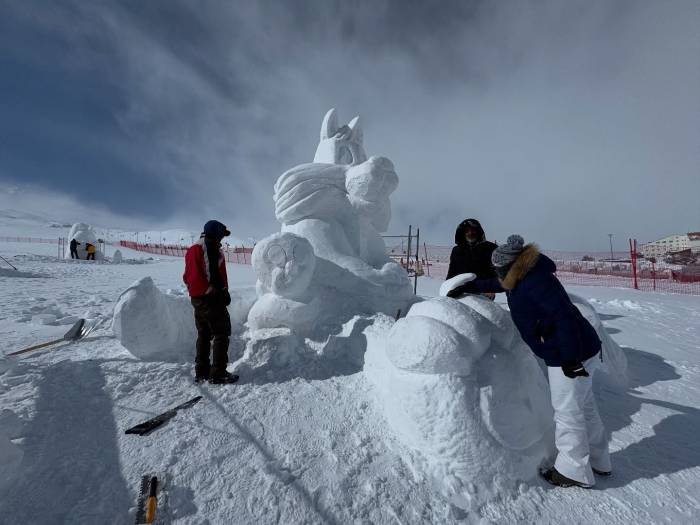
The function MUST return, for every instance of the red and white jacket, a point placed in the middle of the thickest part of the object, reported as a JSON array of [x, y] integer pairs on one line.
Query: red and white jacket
[[196, 274]]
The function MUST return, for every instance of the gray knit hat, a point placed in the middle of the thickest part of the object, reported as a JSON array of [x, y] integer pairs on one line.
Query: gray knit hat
[[506, 253]]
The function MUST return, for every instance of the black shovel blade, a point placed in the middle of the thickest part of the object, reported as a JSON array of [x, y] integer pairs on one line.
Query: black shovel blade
[[145, 428], [75, 331]]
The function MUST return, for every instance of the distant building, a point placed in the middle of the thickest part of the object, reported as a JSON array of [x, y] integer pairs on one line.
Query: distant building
[[672, 243], [694, 241]]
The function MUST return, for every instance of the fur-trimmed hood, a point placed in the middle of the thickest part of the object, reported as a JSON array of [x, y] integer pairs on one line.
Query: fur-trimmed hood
[[528, 260]]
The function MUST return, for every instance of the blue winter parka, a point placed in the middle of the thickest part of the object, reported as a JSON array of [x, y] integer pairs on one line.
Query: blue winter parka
[[547, 320]]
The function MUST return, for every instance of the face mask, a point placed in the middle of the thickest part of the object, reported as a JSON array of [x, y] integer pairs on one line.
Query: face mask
[[502, 271]]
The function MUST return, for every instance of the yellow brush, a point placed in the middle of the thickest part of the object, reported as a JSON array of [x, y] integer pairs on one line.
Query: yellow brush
[[152, 501]]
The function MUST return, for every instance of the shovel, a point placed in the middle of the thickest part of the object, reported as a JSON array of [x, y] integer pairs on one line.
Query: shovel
[[77, 331]]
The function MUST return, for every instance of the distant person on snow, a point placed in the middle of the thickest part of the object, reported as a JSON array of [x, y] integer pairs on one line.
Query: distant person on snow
[[472, 252], [207, 283], [74, 249], [556, 332], [90, 248]]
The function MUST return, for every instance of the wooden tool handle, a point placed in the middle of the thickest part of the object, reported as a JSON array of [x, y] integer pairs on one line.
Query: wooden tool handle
[[152, 501], [42, 345]]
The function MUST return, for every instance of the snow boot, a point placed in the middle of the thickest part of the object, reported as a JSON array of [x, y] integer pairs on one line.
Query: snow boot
[[226, 378], [552, 475], [604, 473]]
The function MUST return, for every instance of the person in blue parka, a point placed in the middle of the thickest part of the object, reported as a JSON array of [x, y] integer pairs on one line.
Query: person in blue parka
[[557, 332]]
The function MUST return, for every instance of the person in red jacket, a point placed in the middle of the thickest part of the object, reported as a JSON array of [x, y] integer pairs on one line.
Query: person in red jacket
[[207, 283]]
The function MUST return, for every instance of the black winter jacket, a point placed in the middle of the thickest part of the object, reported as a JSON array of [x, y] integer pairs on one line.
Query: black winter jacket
[[471, 257]]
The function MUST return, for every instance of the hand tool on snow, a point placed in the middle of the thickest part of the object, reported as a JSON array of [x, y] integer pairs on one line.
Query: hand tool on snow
[[147, 502], [145, 428], [77, 331], [152, 501], [8, 262]]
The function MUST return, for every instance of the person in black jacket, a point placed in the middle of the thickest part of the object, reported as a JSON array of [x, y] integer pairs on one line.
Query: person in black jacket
[[74, 249], [557, 332], [472, 252]]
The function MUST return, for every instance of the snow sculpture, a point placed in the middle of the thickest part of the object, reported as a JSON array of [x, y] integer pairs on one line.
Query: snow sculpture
[[154, 326], [614, 364], [463, 392], [157, 326], [329, 262], [117, 258], [84, 234]]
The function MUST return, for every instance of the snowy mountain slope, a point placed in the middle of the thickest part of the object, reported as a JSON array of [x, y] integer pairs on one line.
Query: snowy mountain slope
[[309, 449]]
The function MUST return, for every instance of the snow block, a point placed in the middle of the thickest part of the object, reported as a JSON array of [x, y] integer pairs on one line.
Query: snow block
[[154, 326], [474, 414]]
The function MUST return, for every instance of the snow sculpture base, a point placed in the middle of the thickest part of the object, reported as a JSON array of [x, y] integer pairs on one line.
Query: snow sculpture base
[[464, 394]]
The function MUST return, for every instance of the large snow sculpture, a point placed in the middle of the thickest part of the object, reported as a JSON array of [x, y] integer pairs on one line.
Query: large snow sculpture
[[329, 262], [463, 392], [83, 233]]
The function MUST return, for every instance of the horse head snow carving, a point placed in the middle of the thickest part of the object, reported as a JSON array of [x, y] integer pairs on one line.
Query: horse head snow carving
[[340, 144]]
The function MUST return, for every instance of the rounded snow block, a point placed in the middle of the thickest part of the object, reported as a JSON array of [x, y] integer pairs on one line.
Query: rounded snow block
[[425, 345], [504, 332], [154, 326], [284, 264], [467, 322], [273, 311]]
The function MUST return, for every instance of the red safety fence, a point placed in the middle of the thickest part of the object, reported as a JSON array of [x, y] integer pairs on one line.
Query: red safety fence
[[28, 240], [233, 254], [634, 272]]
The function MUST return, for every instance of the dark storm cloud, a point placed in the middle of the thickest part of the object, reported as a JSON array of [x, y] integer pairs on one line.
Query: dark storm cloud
[[559, 119]]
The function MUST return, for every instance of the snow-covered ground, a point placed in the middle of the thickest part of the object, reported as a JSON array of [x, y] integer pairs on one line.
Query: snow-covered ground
[[311, 448]]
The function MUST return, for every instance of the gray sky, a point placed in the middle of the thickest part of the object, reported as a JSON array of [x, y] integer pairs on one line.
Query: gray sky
[[560, 120]]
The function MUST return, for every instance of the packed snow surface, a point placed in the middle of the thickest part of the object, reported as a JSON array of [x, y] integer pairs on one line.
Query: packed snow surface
[[313, 444]]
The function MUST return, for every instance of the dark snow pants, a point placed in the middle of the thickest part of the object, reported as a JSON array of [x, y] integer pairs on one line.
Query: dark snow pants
[[73, 254], [213, 331]]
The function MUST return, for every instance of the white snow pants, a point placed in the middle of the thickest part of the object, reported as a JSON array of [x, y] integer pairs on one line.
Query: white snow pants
[[579, 433]]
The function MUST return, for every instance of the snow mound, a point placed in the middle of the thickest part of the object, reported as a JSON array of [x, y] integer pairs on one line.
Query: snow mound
[[9, 272], [117, 258], [154, 326], [614, 364], [474, 413], [157, 326]]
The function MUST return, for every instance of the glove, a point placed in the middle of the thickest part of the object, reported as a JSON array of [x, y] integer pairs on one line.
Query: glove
[[225, 297], [574, 370], [461, 290]]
